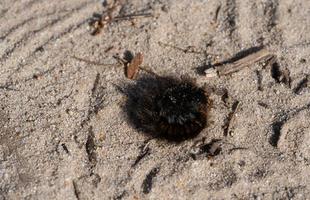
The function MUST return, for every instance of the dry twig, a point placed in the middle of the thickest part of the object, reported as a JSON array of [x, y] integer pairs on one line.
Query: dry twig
[[101, 21], [188, 49], [222, 68]]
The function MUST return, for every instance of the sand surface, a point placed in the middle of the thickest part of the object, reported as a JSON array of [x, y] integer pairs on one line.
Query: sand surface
[[63, 133]]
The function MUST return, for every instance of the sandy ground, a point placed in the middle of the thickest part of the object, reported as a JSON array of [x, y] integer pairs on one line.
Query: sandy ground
[[63, 133]]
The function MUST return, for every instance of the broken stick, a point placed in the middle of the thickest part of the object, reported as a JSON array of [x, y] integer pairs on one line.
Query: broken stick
[[222, 68]]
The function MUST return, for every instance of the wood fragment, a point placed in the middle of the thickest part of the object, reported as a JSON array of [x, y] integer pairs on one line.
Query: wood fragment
[[224, 68], [132, 68], [127, 62], [245, 62]]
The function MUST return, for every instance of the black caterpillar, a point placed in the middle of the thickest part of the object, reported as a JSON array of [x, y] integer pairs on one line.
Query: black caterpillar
[[167, 107]]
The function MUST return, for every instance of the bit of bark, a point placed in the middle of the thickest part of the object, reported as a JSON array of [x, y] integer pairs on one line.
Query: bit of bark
[[129, 59], [132, 68], [229, 67]]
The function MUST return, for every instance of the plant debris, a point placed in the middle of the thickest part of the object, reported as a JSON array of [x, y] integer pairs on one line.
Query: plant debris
[[188, 49], [100, 21], [132, 64], [232, 66], [132, 68]]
